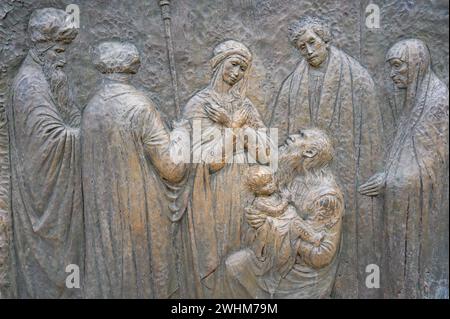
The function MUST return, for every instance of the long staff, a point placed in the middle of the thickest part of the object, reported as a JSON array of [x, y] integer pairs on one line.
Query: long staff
[[165, 12]]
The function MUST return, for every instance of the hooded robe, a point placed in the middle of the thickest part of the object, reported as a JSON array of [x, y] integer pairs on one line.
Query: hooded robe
[[213, 222], [416, 194]]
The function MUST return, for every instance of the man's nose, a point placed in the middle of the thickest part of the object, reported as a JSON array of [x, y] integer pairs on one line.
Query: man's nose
[[393, 73], [309, 49]]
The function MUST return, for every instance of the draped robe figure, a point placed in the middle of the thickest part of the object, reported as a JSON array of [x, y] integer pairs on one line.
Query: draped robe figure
[[291, 267], [126, 164], [340, 97], [46, 200], [416, 183], [212, 225]]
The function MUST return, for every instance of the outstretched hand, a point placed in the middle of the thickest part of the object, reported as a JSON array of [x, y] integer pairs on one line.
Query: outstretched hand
[[374, 186]]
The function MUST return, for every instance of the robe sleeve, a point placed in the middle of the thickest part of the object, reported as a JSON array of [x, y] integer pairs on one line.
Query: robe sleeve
[[208, 136], [255, 137], [328, 213], [157, 144], [49, 145]]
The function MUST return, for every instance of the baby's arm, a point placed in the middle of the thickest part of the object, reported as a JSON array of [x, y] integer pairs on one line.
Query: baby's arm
[[268, 207]]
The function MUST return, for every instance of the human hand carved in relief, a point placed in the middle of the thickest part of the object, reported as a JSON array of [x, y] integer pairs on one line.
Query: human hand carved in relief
[[240, 117], [374, 186], [218, 114], [306, 233]]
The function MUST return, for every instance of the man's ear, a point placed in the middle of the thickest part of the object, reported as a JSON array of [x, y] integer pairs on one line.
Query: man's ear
[[310, 153]]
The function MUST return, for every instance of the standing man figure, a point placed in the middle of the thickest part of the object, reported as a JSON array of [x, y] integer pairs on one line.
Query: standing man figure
[[332, 91], [127, 165], [44, 134]]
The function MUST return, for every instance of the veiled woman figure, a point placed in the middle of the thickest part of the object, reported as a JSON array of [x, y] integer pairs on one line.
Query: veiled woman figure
[[214, 215], [415, 180]]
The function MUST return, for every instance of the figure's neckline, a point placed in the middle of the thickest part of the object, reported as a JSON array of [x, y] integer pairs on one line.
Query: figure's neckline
[[123, 78]]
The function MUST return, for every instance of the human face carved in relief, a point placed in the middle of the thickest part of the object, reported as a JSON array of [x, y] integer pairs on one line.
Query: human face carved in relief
[[302, 141], [399, 73], [313, 49], [268, 188], [307, 149], [233, 70], [55, 56]]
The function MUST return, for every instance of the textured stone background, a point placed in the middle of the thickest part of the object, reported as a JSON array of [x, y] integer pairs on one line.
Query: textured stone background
[[198, 25]]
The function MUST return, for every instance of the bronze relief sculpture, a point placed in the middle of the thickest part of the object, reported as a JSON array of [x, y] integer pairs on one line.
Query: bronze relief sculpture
[[44, 133], [296, 249], [331, 90], [91, 176], [415, 198], [213, 222], [128, 247]]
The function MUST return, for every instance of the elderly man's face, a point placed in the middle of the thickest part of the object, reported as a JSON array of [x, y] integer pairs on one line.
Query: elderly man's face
[[312, 48], [298, 142], [55, 56], [399, 73], [302, 150], [293, 148]]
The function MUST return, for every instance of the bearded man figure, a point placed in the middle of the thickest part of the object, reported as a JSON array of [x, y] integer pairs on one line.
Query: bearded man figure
[[291, 265], [332, 91], [44, 136]]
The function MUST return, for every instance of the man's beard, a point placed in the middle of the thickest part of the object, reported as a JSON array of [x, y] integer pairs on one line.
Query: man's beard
[[288, 165], [59, 87]]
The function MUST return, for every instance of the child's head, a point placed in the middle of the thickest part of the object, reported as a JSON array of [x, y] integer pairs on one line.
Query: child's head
[[261, 180]]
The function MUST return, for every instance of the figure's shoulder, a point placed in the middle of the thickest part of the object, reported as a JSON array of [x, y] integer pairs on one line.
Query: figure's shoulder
[[29, 87], [300, 68], [193, 107], [28, 77], [129, 93], [328, 196], [200, 96], [358, 70], [440, 90], [96, 98]]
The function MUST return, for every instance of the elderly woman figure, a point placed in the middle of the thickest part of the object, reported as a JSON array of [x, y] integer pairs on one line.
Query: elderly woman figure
[[213, 218], [126, 165], [415, 180]]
